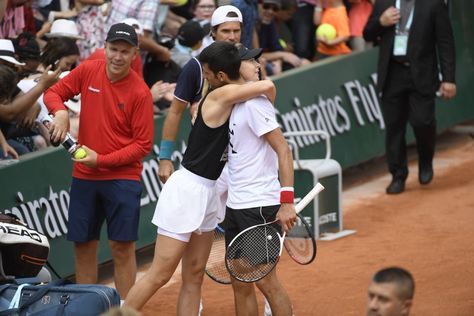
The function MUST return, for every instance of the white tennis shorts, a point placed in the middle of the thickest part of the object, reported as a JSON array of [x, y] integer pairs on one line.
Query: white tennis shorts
[[187, 204]]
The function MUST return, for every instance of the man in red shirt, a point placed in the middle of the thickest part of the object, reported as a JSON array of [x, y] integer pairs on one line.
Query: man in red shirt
[[116, 130]]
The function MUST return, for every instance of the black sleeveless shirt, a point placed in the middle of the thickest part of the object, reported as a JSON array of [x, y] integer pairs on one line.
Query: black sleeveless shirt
[[206, 154]]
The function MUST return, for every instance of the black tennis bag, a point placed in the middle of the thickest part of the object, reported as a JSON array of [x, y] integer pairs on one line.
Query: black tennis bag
[[23, 251]]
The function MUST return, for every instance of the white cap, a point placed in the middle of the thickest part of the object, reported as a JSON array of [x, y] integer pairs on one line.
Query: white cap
[[64, 28], [7, 52], [136, 25], [220, 15]]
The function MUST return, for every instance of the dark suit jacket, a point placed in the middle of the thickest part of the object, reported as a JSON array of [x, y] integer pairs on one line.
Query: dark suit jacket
[[430, 33]]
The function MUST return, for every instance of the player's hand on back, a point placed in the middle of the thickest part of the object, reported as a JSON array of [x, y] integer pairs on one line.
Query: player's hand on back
[[287, 216], [165, 170]]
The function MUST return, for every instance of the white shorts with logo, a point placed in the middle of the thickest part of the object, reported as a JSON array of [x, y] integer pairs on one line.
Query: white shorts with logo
[[187, 203]]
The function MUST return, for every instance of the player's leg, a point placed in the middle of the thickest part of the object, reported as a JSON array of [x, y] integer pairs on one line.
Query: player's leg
[[237, 220], [168, 253], [244, 298], [86, 261], [85, 219], [121, 202], [276, 295], [193, 264], [125, 265]]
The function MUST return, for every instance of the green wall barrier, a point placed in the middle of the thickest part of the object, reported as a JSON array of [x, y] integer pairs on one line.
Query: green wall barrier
[[336, 95]]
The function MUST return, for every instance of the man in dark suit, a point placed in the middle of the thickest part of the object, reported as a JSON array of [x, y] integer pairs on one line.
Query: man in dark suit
[[414, 37]]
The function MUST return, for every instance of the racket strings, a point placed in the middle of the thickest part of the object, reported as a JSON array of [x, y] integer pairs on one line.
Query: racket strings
[[300, 243], [215, 266], [254, 253]]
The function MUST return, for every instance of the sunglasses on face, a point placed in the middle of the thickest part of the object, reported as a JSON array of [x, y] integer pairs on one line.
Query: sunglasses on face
[[272, 7]]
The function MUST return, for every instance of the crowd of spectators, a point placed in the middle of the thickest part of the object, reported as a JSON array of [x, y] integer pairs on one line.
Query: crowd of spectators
[[37, 36]]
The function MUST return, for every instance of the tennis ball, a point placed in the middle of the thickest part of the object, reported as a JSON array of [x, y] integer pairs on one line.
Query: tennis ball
[[327, 31], [80, 153], [282, 43]]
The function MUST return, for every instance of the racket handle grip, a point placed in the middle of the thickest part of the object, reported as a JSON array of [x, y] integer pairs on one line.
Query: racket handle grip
[[308, 197]]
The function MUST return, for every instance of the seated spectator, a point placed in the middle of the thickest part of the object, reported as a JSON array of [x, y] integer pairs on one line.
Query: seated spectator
[[358, 15], [273, 52], [58, 29], [91, 26], [282, 17], [202, 11], [7, 54], [6, 151], [60, 53], [335, 14], [189, 39], [13, 20], [391, 293], [249, 11], [27, 51], [14, 105]]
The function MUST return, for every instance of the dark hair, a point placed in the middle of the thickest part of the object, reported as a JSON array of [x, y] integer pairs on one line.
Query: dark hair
[[222, 56], [26, 47], [8, 82], [57, 48], [288, 4], [403, 279]]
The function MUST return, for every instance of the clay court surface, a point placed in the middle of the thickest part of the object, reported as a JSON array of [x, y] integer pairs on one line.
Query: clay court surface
[[428, 230]]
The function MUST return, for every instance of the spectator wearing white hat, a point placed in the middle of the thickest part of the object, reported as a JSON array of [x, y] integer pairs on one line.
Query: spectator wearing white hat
[[7, 54]]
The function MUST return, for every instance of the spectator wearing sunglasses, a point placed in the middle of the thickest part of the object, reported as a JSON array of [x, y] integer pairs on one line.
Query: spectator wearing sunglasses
[[269, 40]]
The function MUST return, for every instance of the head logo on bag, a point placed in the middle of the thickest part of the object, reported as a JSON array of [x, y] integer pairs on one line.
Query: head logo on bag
[[23, 250]]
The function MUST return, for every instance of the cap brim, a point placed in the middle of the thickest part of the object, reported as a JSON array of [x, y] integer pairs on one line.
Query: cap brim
[[122, 39], [60, 34], [251, 53], [12, 60]]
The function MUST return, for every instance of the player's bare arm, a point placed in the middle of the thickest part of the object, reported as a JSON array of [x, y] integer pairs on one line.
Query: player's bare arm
[[286, 214], [170, 131], [218, 104]]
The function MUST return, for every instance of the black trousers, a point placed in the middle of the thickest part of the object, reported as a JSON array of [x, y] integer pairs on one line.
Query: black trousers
[[402, 104]]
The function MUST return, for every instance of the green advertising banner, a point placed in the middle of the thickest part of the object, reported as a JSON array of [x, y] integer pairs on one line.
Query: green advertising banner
[[336, 95]]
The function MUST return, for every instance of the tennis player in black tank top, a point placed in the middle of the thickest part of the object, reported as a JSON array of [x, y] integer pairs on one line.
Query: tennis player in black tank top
[[206, 154], [179, 237]]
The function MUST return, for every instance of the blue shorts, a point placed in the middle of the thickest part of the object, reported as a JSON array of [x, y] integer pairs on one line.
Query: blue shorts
[[93, 201]]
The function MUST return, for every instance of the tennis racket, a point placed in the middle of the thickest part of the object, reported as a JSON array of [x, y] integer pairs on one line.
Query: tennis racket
[[256, 250], [215, 266], [300, 242]]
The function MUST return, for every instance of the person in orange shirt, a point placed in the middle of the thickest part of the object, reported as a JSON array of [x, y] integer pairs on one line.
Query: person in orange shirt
[[334, 13]]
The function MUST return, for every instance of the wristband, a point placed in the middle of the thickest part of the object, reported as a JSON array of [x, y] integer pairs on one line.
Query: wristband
[[166, 149], [287, 195]]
